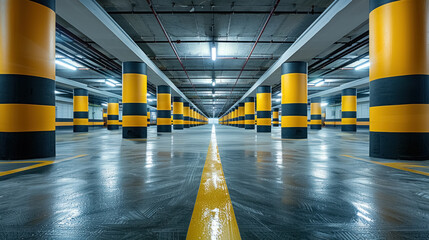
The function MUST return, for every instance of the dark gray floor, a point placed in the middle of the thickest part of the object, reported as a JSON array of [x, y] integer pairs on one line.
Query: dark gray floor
[[305, 189], [279, 189]]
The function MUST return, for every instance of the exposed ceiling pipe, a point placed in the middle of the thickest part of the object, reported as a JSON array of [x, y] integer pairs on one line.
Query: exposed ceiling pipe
[[253, 48], [171, 45], [311, 12]]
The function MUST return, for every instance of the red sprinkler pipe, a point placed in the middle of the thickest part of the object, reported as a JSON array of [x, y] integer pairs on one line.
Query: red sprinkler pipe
[[253, 48]]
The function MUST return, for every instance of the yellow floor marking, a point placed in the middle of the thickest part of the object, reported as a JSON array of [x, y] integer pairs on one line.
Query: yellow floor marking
[[397, 165], [41, 164], [213, 216]]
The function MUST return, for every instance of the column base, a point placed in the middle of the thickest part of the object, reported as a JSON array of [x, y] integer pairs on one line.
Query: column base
[[263, 129], [27, 145], [249, 126], [134, 132], [294, 133], [80, 128], [348, 128], [316, 127], [404, 146], [112, 127]]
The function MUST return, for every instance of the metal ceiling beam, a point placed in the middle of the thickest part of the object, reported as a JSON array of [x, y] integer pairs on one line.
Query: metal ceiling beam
[[214, 12], [73, 84]]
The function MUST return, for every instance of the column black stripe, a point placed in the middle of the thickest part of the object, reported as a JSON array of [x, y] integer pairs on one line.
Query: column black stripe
[[80, 114], [47, 3], [373, 4], [134, 109], [294, 109], [264, 114], [112, 117], [348, 114], [134, 67], [22, 89], [24, 145], [316, 117], [409, 89]]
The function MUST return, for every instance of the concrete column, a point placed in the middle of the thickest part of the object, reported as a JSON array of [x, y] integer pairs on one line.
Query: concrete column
[[178, 113], [80, 110], [294, 100], [163, 109], [134, 100], [249, 113], [241, 115], [236, 117], [191, 116], [186, 112], [276, 117], [399, 79], [27, 79], [316, 113], [113, 114], [263, 108], [348, 110], [105, 117]]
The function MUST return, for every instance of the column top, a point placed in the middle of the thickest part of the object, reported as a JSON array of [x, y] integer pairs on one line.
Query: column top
[[164, 89], [294, 67], [80, 92], [134, 67], [264, 89], [349, 92], [177, 99]]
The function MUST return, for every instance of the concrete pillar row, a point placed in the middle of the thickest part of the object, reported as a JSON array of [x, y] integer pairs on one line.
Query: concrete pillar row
[[275, 117], [80, 110], [241, 115], [294, 100], [186, 113], [249, 113], [27, 79], [113, 114], [191, 116], [263, 107], [178, 113], [316, 113], [134, 100], [399, 80], [163, 109], [348, 110]]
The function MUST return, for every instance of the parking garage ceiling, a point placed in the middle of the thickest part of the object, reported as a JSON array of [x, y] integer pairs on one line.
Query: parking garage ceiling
[[194, 27]]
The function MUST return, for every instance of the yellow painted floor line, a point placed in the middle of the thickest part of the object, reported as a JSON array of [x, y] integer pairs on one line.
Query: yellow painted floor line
[[213, 216], [40, 164], [404, 166]]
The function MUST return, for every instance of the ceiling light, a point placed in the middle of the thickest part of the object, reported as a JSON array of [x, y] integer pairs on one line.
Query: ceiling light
[[214, 82], [58, 92], [278, 100], [362, 66], [214, 53], [65, 65], [104, 104], [319, 83], [324, 104], [110, 84], [113, 81]]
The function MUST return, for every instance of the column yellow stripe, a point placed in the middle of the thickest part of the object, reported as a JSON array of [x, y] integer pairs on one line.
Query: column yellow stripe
[[213, 216]]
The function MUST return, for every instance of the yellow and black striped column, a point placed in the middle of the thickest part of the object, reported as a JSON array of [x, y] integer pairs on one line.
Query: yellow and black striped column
[[134, 100], [316, 113], [148, 117], [236, 117], [263, 108], [249, 113], [191, 116], [348, 110], [275, 117], [80, 110], [294, 100], [105, 117], [178, 113], [27, 79], [186, 113], [163, 109], [113, 114], [399, 79], [241, 115]]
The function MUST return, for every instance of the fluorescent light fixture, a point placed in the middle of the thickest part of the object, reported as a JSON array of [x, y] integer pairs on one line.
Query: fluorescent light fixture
[[278, 100], [113, 81], [214, 53], [362, 66], [104, 104], [319, 83], [58, 92], [324, 104], [213, 95], [151, 99], [213, 83], [110, 84], [65, 65], [71, 62], [148, 94]]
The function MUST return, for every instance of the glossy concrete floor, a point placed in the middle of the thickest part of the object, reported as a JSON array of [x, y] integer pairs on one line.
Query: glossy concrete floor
[[326, 187]]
